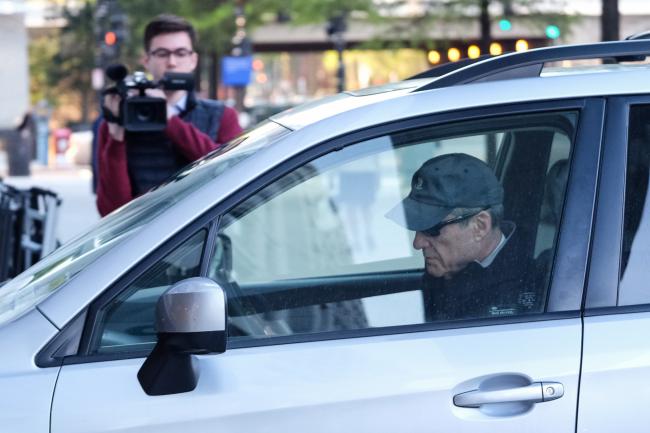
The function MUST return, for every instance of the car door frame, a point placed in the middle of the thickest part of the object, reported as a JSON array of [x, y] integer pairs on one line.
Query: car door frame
[[610, 332]]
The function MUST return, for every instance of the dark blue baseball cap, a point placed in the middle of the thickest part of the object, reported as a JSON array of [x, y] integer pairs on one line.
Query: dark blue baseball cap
[[443, 184]]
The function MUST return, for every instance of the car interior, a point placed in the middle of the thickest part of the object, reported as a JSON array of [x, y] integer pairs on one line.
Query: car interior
[[534, 152]]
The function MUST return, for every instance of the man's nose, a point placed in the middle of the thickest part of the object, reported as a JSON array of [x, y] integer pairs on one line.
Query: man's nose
[[420, 241]]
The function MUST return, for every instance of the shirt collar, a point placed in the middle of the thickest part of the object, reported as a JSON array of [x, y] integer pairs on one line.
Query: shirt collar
[[181, 104], [490, 258]]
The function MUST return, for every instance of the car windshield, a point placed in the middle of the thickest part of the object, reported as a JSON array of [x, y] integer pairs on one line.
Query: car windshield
[[26, 290]]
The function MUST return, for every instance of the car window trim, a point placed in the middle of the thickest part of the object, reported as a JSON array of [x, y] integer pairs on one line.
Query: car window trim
[[209, 246], [91, 326], [623, 309], [279, 294], [572, 260], [345, 335], [602, 284]]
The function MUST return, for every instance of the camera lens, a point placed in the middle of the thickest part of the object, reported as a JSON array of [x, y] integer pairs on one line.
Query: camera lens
[[144, 113]]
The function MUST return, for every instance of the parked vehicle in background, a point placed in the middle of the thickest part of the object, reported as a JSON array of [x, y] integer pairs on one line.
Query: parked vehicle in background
[[258, 113], [263, 288]]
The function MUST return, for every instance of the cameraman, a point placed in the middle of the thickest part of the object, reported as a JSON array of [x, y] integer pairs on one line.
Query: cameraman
[[131, 163]]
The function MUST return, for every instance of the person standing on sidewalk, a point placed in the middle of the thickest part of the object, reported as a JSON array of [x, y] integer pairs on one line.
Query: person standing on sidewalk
[[130, 163]]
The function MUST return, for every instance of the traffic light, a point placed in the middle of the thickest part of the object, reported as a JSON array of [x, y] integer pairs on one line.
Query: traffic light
[[111, 30], [118, 27], [552, 31], [241, 43], [336, 24], [110, 38], [505, 24]]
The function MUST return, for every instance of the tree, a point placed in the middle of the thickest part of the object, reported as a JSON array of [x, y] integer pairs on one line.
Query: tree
[[71, 66], [61, 61], [448, 15], [69, 70], [41, 51], [215, 21]]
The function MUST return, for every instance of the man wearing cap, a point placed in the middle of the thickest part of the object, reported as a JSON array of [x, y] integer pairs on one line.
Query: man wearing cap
[[472, 269]]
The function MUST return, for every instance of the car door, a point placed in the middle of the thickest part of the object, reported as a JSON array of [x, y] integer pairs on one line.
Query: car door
[[615, 380], [328, 330]]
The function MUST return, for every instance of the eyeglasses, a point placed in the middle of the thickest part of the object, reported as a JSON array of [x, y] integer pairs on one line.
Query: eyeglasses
[[435, 230], [163, 53]]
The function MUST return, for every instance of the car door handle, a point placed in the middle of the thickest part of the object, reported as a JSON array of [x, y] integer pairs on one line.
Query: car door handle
[[536, 392]]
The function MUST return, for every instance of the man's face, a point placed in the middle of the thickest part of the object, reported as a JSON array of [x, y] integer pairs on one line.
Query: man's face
[[449, 252], [170, 52]]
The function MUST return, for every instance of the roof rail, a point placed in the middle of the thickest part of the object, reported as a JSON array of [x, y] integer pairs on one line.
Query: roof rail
[[638, 36], [529, 63]]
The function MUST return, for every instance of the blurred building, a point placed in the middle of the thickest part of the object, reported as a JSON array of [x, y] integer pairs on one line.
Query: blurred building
[[293, 63], [14, 74]]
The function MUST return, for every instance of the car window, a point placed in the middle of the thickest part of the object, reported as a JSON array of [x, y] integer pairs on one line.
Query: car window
[[315, 251], [636, 224], [41, 280], [127, 321]]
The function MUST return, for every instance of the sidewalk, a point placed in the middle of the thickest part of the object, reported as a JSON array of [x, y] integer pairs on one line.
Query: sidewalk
[[73, 185]]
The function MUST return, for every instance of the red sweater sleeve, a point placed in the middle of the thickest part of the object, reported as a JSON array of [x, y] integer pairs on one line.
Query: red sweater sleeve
[[194, 144], [229, 127], [114, 185]]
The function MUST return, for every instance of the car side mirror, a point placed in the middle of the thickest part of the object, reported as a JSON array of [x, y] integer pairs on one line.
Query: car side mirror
[[190, 319]]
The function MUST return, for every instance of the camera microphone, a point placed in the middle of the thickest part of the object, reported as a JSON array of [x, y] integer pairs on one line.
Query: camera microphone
[[117, 72]]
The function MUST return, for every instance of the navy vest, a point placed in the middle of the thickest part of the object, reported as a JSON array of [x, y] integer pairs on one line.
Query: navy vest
[[152, 157]]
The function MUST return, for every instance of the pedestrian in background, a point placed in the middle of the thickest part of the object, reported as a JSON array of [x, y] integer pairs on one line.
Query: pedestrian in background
[[131, 163]]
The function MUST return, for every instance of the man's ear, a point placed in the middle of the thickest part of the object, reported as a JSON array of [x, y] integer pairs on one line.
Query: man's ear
[[482, 224]]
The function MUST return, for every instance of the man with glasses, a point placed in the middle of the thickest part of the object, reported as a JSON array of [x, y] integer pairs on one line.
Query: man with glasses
[[472, 267], [130, 163]]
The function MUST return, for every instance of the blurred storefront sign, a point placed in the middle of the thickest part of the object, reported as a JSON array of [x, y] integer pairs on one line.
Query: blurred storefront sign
[[236, 70], [61, 143]]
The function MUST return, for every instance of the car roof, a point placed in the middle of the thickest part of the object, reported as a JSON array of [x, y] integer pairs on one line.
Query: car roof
[[314, 111], [346, 113], [511, 78]]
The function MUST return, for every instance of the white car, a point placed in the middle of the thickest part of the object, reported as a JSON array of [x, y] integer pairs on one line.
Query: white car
[[263, 289]]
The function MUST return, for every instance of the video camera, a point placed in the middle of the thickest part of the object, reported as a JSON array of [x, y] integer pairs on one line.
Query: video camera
[[142, 113]]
